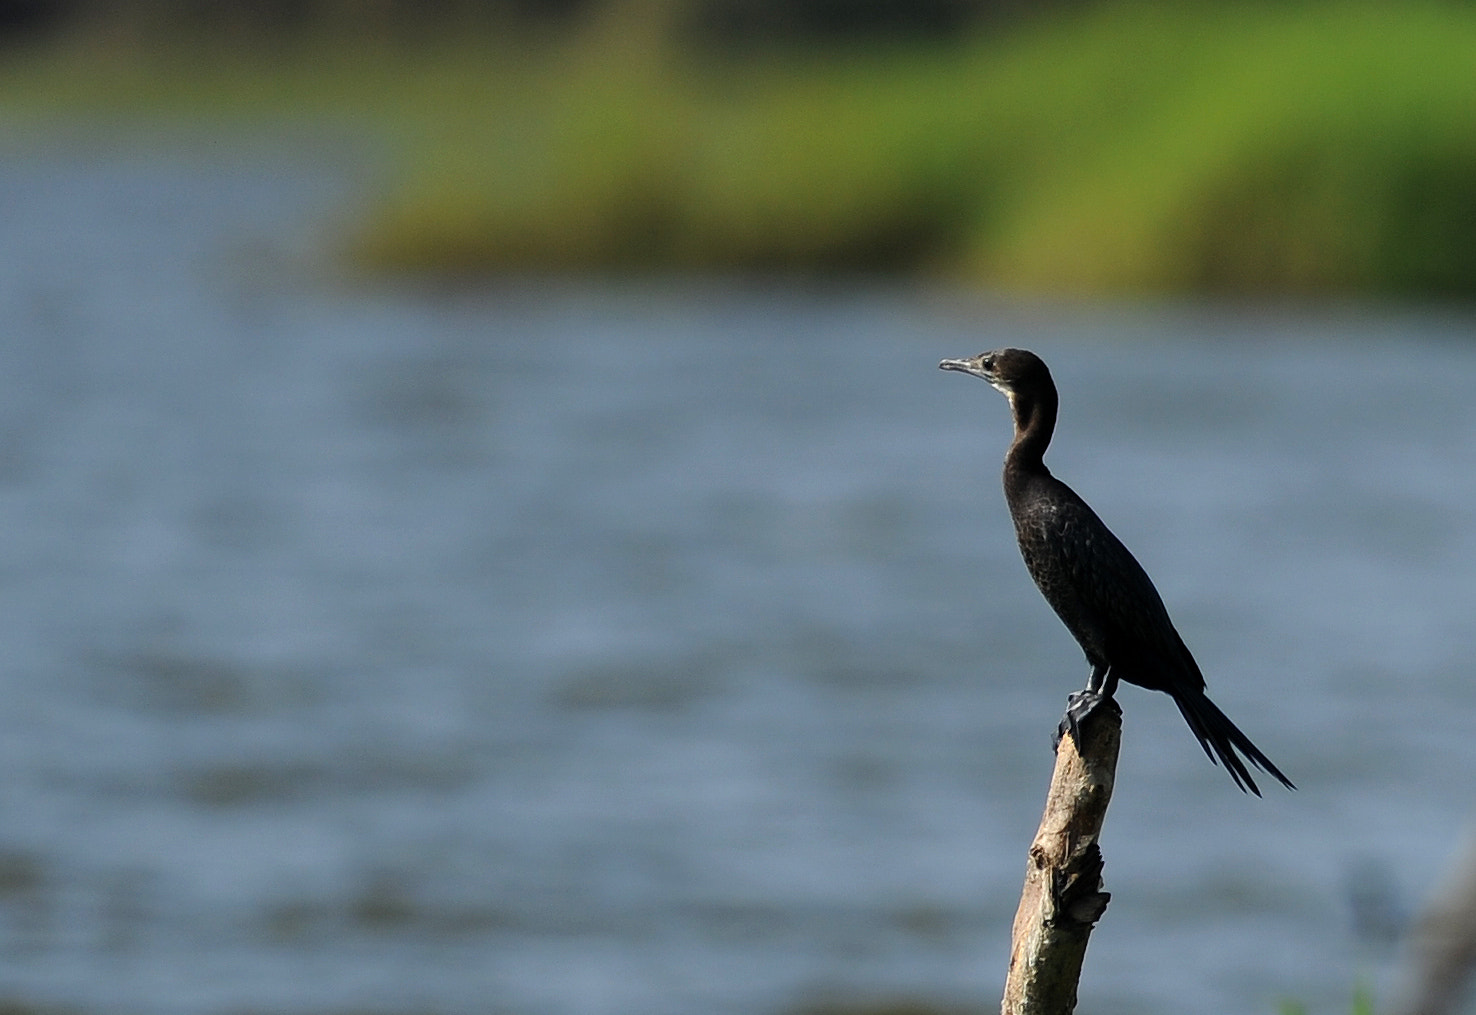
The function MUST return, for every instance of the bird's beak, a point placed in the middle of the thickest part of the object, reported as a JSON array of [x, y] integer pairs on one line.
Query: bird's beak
[[966, 366]]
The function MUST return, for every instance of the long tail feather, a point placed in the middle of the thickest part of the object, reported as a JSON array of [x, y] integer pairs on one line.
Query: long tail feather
[[1221, 739]]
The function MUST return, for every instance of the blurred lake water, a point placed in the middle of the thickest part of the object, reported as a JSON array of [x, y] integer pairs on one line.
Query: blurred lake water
[[561, 648]]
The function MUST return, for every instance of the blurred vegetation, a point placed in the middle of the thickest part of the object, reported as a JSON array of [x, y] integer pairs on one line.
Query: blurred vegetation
[[1362, 1004], [1095, 148]]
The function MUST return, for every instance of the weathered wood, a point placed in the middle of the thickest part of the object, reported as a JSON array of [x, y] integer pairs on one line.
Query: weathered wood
[[1063, 897]]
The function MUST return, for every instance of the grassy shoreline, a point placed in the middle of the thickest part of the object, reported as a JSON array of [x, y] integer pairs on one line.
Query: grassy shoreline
[[1311, 148]]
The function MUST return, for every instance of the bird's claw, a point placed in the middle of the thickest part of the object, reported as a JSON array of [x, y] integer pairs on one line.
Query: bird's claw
[[1080, 707]]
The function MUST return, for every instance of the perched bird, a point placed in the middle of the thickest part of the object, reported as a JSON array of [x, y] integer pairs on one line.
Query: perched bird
[[1097, 588]]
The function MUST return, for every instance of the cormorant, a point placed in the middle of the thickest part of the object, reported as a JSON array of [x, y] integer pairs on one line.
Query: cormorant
[[1100, 592]]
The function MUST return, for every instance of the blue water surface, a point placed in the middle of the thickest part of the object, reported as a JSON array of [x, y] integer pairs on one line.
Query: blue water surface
[[601, 647]]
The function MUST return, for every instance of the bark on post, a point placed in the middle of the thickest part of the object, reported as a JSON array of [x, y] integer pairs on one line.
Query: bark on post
[[1063, 895]]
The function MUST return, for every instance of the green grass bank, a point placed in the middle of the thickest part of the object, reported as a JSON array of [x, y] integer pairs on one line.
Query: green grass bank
[[1299, 148]]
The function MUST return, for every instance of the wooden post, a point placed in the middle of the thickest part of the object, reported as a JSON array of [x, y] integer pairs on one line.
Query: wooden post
[[1063, 895]]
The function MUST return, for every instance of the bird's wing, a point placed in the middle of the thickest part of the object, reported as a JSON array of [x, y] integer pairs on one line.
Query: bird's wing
[[1115, 597]]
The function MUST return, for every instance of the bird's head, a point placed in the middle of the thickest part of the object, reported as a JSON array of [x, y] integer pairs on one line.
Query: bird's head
[[1009, 370]]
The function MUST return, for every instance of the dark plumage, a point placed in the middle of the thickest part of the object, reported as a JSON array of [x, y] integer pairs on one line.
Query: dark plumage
[[1097, 588]]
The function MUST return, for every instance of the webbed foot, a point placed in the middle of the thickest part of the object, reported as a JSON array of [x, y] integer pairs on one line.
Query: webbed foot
[[1079, 708]]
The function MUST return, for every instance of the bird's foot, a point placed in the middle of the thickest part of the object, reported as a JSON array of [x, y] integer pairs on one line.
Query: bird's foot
[[1080, 707]]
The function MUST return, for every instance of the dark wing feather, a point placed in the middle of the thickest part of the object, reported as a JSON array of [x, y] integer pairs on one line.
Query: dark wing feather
[[1100, 591]]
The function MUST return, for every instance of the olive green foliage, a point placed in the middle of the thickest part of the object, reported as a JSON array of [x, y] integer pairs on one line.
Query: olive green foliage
[[1291, 148], [1362, 1004], [1142, 149]]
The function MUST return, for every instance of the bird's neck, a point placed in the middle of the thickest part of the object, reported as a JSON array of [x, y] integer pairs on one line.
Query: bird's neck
[[1035, 421]]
